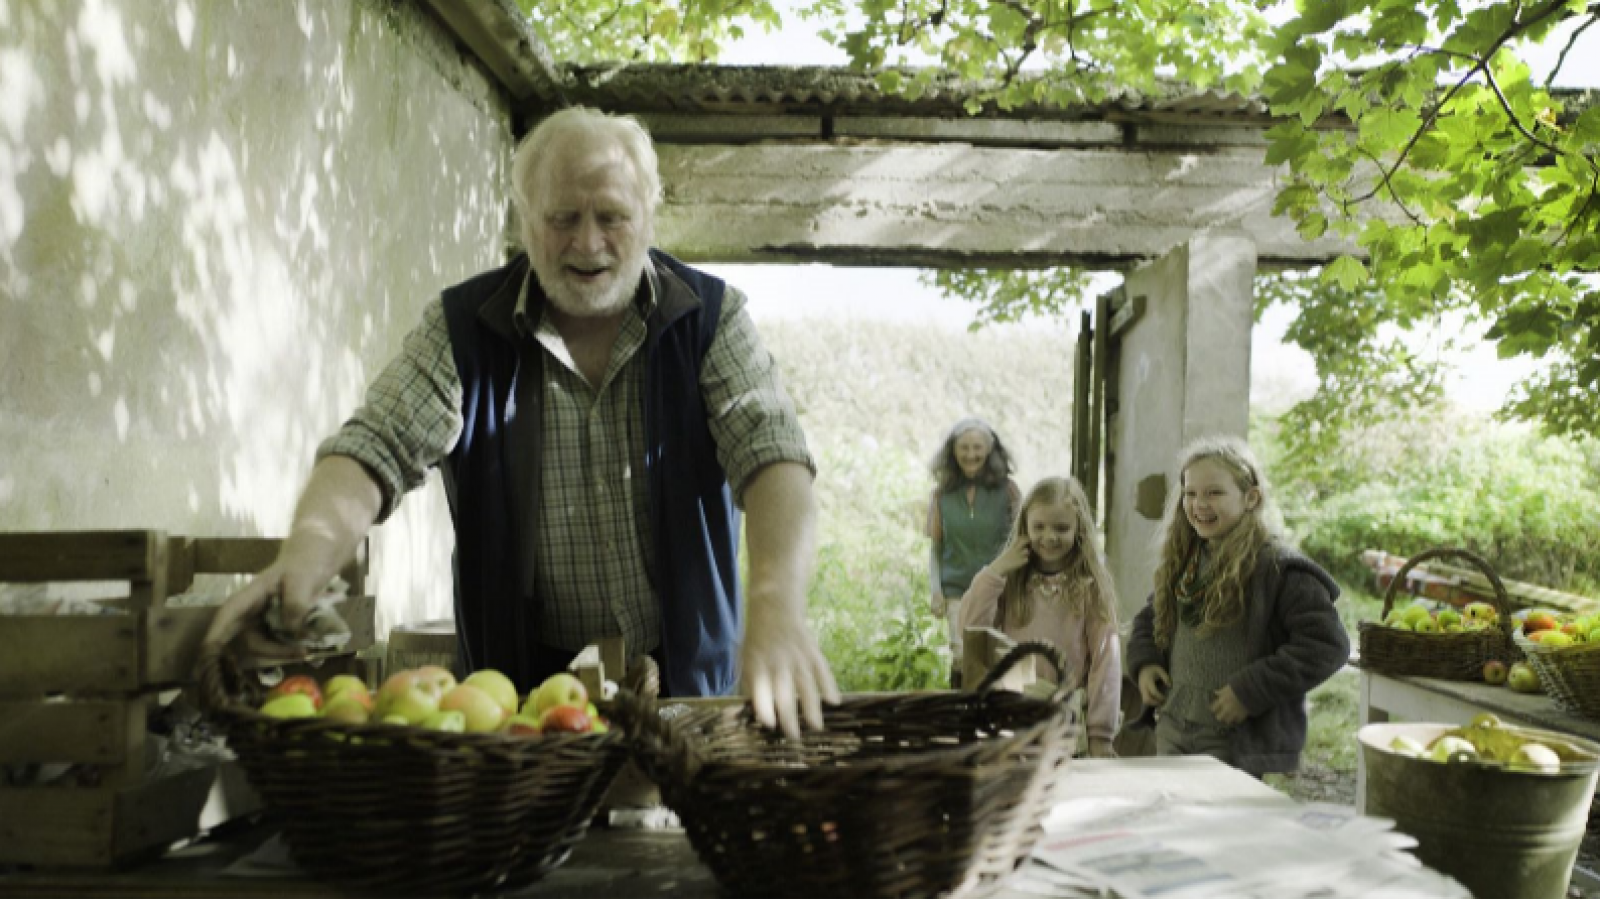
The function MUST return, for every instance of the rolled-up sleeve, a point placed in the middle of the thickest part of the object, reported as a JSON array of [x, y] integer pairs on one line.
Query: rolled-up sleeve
[[411, 417], [751, 416]]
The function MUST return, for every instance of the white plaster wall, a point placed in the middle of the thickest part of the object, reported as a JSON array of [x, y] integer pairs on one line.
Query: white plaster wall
[[218, 219]]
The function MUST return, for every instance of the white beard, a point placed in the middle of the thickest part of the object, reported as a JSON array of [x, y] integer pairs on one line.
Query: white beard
[[585, 300]]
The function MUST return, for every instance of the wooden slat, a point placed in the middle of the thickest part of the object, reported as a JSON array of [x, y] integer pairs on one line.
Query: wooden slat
[[80, 556], [180, 564], [101, 732], [48, 826], [234, 555], [43, 654]]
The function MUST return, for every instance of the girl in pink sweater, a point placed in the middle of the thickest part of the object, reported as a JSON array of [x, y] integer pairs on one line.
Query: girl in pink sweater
[[1050, 584]]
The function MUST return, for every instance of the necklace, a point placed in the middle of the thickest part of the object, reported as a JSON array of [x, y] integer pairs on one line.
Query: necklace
[[1049, 586]]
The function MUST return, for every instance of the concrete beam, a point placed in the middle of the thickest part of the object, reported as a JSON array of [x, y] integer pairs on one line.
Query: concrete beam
[[960, 205], [498, 35]]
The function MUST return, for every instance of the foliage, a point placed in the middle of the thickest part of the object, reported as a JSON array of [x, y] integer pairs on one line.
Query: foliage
[[593, 31], [913, 655], [1007, 295]]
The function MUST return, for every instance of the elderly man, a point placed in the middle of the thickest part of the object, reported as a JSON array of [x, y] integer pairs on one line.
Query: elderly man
[[590, 405]]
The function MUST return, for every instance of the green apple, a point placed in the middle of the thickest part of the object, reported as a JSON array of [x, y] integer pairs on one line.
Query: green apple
[[347, 708], [1425, 626], [562, 689], [497, 686], [1452, 749], [480, 712], [1449, 617], [441, 678], [290, 707], [1494, 673], [1416, 613], [338, 685], [1406, 746], [1521, 677], [446, 721], [522, 724]]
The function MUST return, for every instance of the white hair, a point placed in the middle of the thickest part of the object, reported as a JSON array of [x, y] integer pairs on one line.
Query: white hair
[[625, 132]]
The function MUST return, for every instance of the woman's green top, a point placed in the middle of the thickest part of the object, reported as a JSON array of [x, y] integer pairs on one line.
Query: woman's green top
[[974, 534]]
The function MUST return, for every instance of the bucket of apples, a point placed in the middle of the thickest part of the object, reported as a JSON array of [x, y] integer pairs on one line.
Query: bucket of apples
[[424, 784]]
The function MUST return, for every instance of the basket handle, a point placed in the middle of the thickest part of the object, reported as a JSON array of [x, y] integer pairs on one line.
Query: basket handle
[[1027, 649], [219, 678], [1502, 601]]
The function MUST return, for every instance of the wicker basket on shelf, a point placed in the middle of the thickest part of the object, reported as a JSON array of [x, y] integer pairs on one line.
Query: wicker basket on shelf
[[1569, 675], [1439, 655]]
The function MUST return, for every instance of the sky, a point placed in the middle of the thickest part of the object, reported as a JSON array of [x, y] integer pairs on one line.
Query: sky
[[1281, 373]]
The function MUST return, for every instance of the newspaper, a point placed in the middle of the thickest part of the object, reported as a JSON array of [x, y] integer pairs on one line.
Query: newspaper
[[1159, 848]]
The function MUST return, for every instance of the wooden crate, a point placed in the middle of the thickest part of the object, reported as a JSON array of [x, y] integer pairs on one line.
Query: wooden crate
[[79, 689]]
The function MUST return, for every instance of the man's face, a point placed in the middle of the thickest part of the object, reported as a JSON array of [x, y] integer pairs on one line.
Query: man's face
[[589, 235]]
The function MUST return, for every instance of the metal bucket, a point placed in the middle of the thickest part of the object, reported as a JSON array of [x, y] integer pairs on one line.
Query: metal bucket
[[1502, 834]]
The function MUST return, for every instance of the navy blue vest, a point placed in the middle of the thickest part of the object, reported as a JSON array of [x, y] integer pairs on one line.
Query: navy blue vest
[[694, 524]]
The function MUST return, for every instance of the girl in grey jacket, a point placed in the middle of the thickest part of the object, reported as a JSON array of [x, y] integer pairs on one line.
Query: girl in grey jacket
[[1240, 626]]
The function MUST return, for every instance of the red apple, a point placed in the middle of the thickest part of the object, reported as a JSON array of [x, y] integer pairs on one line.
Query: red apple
[[564, 718], [297, 685], [1494, 672], [523, 725]]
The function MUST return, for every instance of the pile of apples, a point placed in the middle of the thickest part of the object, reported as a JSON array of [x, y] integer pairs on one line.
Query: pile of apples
[[1419, 618], [1485, 741], [1555, 630], [429, 697]]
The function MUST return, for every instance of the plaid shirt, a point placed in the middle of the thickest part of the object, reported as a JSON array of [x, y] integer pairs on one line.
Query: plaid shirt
[[594, 548]]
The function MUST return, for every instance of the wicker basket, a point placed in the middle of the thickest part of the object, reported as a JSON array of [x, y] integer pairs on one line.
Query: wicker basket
[[1570, 675], [898, 796], [1440, 655], [395, 810]]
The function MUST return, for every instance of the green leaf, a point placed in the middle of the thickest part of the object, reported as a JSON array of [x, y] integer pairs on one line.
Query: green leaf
[[1347, 272]]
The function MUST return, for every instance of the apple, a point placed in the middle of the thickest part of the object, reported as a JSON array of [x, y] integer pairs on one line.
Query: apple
[[1539, 621], [347, 708], [340, 684], [439, 676], [1448, 617], [1486, 721], [560, 689], [1407, 746], [1452, 749], [564, 718], [301, 685], [445, 721], [1480, 612], [290, 706], [482, 713], [1494, 673], [523, 724], [1426, 626], [1417, 613], [394, 721], [1537, 758], [407, 683], [1521, 677], [1552, 638], [497, 686]]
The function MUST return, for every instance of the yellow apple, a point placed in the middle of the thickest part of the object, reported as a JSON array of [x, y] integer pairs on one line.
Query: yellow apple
[[1452, 749], [558, 690], [442, 679], [482, 713], [1536, 758], [497, 686]]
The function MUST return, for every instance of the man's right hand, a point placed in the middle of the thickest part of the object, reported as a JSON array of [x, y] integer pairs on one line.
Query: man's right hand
[[240, 617], [1153, 684]]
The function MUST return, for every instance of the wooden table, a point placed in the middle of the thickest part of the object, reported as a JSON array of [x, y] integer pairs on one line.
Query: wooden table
[[615, 863]]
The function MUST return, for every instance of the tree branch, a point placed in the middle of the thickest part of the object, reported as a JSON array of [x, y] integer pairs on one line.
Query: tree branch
[[1562, 59], [1482, 65]]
